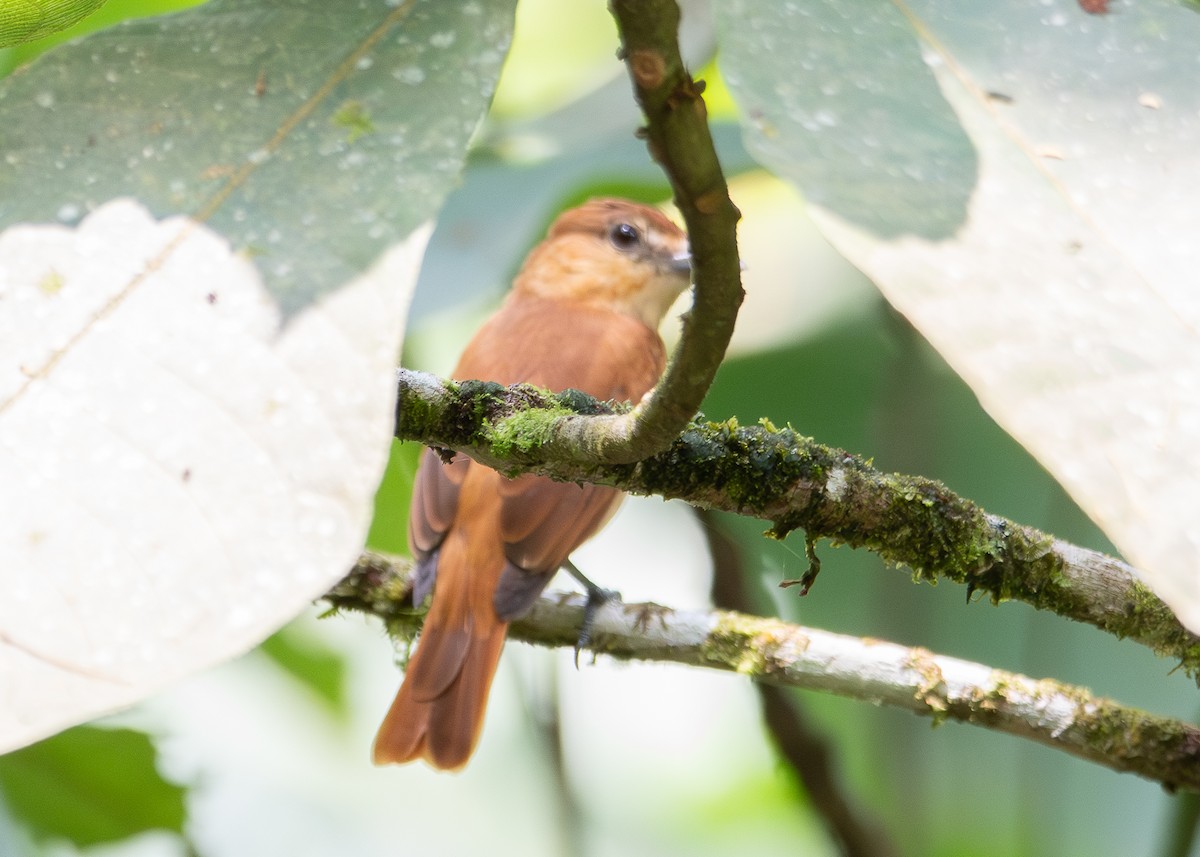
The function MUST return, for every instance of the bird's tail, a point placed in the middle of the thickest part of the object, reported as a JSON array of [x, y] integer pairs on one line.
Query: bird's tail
[[437, 714]]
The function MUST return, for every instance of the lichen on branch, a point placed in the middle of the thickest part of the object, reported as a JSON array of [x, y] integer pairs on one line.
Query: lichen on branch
[[1059, 715]]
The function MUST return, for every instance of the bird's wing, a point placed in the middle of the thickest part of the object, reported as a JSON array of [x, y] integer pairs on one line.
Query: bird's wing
[[434, 505], [541, 523]]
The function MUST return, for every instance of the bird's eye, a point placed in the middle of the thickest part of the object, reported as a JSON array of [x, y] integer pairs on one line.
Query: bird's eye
[[625, 236]]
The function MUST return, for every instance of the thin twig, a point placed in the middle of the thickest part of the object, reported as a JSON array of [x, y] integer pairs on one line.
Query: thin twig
[[543, 708], [792, 481], [1182, 826], [1059, 715], [810, 754]]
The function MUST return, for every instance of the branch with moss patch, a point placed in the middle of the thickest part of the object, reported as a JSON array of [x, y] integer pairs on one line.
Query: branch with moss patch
[[790, 480], [1059, 715], [678, 138]]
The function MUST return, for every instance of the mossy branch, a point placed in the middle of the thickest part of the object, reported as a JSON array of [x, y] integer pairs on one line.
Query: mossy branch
[[793, 482], [1059, 715], [678, 138]]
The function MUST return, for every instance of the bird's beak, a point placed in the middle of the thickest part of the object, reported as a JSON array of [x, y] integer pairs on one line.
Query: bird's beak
[[681, 262]]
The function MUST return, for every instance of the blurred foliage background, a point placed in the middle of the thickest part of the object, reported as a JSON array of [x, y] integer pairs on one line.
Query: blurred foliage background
[[269, 755]]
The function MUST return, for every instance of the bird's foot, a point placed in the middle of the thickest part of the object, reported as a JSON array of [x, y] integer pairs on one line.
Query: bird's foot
[[596, 598]]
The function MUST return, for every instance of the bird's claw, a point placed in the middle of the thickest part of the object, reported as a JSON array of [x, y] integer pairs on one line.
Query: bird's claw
[[596, 598]]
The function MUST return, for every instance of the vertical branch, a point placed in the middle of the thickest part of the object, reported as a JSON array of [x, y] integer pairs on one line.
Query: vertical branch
[[802, 746], [1182, 826], [544, 710], [678, 138]]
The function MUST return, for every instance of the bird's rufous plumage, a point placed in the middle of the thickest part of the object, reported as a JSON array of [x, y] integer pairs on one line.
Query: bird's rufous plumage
[[583, 313]]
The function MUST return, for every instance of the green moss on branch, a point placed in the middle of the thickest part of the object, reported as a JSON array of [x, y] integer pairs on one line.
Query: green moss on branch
[[790, 480], [1059, 715]]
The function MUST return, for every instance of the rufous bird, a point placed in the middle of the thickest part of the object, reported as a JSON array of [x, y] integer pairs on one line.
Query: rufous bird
[[583, 312]]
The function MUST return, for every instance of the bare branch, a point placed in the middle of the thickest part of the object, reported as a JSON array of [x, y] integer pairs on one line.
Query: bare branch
[[1059, 715]]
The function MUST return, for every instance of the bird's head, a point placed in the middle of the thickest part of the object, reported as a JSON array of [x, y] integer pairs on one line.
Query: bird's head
[[613, 254]]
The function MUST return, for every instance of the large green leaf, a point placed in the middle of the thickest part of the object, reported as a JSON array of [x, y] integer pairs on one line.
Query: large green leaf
[[311, 134], [110, 13], [90, 786], [188, 456], [1064, 292], [836, 97]]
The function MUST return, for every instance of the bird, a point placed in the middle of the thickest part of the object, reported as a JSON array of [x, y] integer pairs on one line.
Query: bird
[[583, 313]]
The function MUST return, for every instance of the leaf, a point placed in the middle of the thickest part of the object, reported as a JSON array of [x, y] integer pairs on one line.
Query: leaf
[[1064, 293], [90, 786], [26, 20], [110, 13], [187, 470], [836, 98], [312, 135], [180, 475]]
